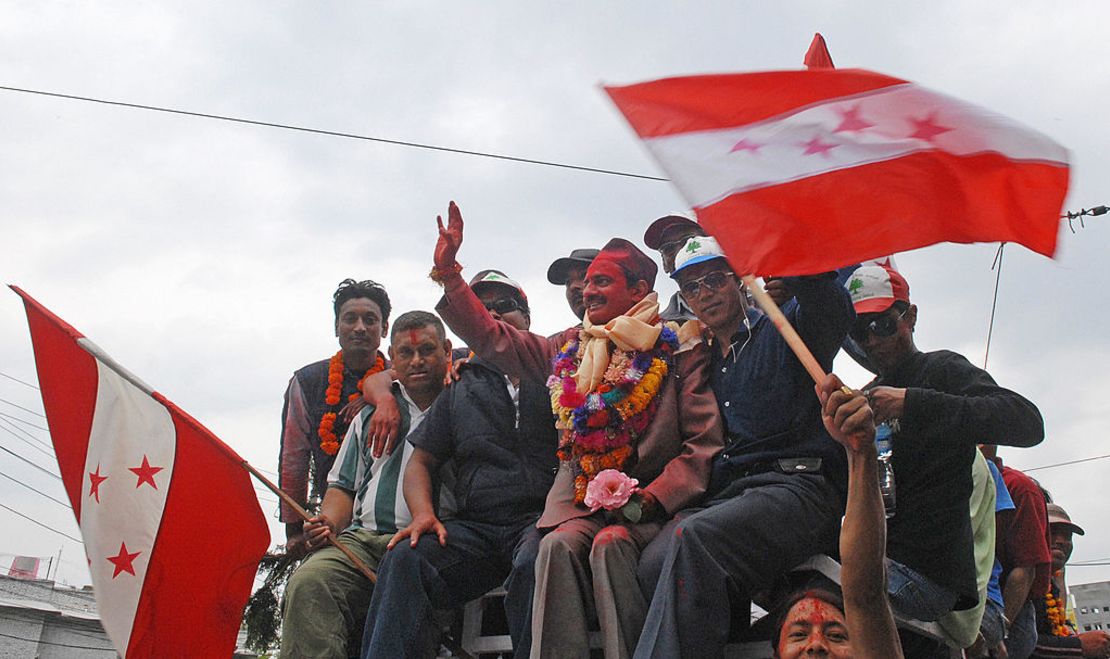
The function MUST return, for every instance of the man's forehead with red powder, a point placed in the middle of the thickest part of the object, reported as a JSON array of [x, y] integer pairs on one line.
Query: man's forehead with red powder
[[619, 256]]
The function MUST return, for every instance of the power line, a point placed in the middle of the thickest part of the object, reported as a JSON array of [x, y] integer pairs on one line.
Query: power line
[[9, 424], [38, 523], [25, 409], [24, 421], [994, 302], [45, 444], [332, 133], [36, 491], [28, 384], [20, 457], [1069, 462]]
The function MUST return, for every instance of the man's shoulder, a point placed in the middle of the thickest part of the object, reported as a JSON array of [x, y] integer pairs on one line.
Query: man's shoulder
[[946, 358], [1017, 481], [313, 370]]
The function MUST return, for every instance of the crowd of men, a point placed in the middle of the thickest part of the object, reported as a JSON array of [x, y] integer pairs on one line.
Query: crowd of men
[[450, 473]]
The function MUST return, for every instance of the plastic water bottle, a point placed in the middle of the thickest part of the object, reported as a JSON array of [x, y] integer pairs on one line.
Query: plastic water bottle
[[884, 446]]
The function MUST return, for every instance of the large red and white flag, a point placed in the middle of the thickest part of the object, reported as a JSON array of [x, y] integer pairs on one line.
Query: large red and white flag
[[797, 172], [172, 528]]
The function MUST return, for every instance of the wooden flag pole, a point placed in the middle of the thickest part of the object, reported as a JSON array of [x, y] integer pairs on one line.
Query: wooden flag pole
[[446, 638], [801, 350], [362, 567]]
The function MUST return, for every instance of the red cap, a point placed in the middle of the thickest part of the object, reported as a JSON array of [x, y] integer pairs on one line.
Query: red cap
[[874, 288], [630, 259]]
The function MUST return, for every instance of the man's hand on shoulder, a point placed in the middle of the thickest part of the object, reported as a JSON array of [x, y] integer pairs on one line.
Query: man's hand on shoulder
[[351, 409], [385, 423], [419, 526]]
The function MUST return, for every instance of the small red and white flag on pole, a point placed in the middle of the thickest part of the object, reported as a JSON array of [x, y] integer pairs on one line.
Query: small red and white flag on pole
[[797, 172], [172, 528]]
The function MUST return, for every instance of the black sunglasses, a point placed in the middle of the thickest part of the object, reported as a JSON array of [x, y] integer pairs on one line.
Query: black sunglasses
[[713, 281], [502, 306], [883, 326]]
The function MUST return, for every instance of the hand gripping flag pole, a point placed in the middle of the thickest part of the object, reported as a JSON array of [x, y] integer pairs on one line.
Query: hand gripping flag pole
[[292, 503]]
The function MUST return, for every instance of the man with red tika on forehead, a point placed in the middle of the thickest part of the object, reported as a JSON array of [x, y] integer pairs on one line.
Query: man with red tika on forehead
[[639, 426]]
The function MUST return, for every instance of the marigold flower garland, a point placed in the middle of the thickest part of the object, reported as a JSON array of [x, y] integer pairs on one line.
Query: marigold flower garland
[[601, 427], [1054, 610], [329, 442]]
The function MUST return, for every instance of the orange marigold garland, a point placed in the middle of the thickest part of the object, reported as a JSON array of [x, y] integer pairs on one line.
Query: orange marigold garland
[[1054, 610], [600, 428], [329, 442]]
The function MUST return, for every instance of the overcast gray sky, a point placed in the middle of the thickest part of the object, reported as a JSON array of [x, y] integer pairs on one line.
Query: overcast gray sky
[[202, 254]]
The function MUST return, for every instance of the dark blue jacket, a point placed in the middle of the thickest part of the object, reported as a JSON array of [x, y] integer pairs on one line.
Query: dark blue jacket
[[766, 396], [503, 468]]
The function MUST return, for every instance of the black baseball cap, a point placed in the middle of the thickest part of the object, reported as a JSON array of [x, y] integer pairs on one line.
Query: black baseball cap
[[557, 272]]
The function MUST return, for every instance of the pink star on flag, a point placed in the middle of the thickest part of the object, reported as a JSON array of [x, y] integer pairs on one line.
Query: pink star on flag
[[97, 479], [817, 146], [145, 473], [851, 122], [927, 128], [123, 561], [746, 145]]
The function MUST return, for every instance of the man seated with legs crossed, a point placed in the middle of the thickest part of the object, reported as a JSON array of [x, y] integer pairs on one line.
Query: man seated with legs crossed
[[777, 490], [327, 597], [627, 398], [499, 434]]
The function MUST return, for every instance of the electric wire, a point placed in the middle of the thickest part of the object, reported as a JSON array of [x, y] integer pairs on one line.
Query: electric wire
[[9, 426], [15, 379], [24, 421], [23, 459], [38, 523], [25, 409], [994, 302], [37, 491], [331, 133], [1069, 462], [13, 434]]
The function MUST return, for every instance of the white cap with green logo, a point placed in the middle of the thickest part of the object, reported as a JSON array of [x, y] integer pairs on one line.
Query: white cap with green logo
[[696, 250]]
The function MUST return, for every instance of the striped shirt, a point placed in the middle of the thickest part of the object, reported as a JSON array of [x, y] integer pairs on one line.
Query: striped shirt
[[379, 504]]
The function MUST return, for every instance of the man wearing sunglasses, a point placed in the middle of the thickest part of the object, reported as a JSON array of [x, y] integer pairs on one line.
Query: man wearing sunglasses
[[940, 407], [502, 297], [777, 490]]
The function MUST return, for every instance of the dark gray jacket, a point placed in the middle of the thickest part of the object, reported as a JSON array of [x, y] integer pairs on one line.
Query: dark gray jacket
[[504, 467]]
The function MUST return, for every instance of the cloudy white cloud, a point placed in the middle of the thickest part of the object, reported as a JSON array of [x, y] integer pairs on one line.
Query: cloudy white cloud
[[201, 254]]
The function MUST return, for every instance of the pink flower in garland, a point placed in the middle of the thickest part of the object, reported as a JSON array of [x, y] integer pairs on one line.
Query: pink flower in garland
[[610, 490]]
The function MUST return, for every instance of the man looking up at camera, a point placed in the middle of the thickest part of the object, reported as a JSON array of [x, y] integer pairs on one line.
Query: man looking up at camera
[[322, 398]]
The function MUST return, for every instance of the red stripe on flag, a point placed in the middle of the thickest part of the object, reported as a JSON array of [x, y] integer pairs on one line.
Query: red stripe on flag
[[695, 103], [206, 555], [68, 382], [822, 222]]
